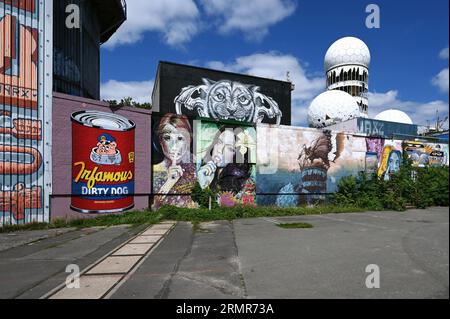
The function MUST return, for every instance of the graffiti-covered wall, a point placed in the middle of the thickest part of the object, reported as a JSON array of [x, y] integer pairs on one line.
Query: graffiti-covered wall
[[294, 163], [25, 114], [218, 155]]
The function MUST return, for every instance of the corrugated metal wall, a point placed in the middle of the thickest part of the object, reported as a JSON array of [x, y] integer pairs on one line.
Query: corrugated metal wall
[[25, 110], [77, 51]]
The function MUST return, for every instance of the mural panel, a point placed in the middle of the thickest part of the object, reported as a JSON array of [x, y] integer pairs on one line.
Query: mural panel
[[226, 158], [103, 159], [388, 156], [174, 172], [203, 93], [423, 154], [25, 114], [299, 166]]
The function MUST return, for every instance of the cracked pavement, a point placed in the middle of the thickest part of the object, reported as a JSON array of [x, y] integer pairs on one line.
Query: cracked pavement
[[250, 258]]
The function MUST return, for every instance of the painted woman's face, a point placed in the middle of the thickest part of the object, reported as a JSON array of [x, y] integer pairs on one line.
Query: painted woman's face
[[224, 150], [175, 143], [394, 162]]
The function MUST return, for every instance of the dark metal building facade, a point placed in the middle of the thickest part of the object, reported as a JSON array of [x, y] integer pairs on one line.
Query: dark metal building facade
[[76, 56]]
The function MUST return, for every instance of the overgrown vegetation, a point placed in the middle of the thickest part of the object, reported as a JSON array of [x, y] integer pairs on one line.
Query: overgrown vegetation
[[231, 213], [295, 225], [131, 218], [411, 186], [202, 196], [128, 101]]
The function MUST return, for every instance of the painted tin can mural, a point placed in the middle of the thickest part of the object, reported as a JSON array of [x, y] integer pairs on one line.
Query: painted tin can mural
[[103, 159], [25, 114]]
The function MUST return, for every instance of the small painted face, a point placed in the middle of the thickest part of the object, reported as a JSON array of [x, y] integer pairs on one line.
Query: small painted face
[[175, 143], [106, 148], [224, 150], [394, 162]]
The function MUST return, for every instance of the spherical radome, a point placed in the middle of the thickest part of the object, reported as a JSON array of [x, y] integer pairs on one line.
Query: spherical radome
[[348, 50], [332, 107], [396, 116]]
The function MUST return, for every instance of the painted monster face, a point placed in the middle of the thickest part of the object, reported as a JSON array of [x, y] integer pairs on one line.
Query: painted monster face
[[231, 100], [175, 143]]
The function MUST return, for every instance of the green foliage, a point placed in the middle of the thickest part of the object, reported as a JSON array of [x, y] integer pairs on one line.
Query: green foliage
[[419, 187], [295, 225], [231, 213], [201, 196], [128, 101]]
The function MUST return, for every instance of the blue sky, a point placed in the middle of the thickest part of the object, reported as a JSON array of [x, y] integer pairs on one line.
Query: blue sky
[[409, 68]]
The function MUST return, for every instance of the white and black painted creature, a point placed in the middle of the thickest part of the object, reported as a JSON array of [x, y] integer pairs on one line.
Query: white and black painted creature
[[228, 100]]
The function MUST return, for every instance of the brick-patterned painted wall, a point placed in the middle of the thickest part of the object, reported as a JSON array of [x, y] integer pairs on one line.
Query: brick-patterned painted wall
[[63, 107]]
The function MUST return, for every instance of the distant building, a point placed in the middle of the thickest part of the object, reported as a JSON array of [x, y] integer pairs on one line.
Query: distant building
[[76, 52]]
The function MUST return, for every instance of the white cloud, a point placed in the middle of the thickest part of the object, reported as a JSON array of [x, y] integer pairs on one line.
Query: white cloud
[[180, 20], [444, 54], [176, 20], [419, 112], [115, 90], [441, 81], [274, 65], [253, 17]]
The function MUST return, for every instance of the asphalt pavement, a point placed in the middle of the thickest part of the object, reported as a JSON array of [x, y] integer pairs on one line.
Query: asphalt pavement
[[250, 258]]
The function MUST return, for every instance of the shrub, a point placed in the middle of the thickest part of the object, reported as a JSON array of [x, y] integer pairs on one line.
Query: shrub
[[201, 196], [420, 187]]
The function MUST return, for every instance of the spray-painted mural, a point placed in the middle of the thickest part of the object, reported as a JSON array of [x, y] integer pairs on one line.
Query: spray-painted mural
[[227, 100], [25, 115], [424, 154], [388, 155], [205, 93], [226, 158], [298, 165], [174, 173]]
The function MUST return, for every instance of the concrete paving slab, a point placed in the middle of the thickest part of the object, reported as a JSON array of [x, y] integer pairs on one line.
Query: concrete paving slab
[[189, 265], [146, 239], [91, 287], [115, 265], [152, 279], [133, 249], [161, 227], [151, 232]]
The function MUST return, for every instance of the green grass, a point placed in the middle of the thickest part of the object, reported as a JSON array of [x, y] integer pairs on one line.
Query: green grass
[[134, 218], [203, 215], [295, 225], [196, 216]]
